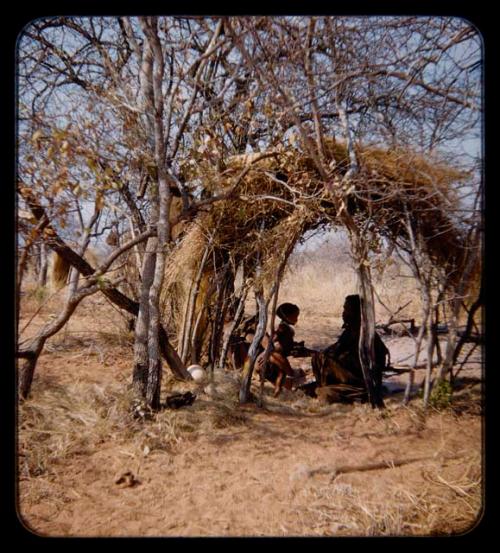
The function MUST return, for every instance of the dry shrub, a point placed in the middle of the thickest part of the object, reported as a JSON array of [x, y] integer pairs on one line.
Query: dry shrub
[[397, 288]]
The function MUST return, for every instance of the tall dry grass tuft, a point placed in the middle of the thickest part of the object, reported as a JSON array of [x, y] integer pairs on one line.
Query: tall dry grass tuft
[[61, 421]]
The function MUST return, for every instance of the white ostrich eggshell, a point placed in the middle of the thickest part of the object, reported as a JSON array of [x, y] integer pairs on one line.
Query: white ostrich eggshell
[[197, 372]]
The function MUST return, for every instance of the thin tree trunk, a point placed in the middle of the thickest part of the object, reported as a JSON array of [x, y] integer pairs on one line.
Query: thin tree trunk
[[262, 306], [140, 370], [153, 385], [218, 319], [367, 337], [236, 321], [254, 347], [43, 265], [183, 337], [418, 345], [267, 352], [468, 328], [429, 363], [138, 254], [451, 343], [366, 346], [439, 355], [26, 368], [161, 201]]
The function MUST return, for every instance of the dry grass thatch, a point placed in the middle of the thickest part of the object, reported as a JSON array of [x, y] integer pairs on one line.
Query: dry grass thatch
[[282, 196], [388, 184]]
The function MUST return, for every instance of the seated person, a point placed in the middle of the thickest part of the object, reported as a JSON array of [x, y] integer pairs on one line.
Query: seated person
[[278, 367], [339, 363]]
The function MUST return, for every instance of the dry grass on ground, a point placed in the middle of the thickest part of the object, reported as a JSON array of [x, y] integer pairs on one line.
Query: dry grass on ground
[[294, 468]]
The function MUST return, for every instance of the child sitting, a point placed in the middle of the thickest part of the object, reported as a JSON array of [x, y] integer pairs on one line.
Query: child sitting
[[278, 367]]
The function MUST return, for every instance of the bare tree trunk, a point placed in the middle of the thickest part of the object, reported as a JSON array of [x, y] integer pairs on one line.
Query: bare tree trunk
[[262, 306], [153, 383], [367, 337], [43, 265], [137, 248], [435, 336], [218, 318], [453, 348], [451, 342], [429, 362], [161, 201], [418, 345], [267, 352], [254, 347], [26, 368], [468, 328], [236, 321], [140, 370], [367, 329], [184, 333]]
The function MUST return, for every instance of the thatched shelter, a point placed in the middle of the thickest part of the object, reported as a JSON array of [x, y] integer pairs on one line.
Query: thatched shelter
[[396, 195]]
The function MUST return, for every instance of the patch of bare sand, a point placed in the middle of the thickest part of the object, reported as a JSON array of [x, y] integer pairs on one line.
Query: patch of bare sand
[[294, 468]]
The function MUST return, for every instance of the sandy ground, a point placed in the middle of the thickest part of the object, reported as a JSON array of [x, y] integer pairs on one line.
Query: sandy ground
[[292, 468]]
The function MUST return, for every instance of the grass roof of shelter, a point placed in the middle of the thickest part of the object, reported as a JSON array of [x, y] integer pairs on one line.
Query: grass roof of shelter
[[287, 186]]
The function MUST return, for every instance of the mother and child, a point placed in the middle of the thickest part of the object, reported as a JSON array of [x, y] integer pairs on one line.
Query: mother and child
[[339, 363]]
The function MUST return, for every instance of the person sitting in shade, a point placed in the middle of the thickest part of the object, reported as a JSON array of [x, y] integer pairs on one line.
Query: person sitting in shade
[[339, 363], [278, 367]]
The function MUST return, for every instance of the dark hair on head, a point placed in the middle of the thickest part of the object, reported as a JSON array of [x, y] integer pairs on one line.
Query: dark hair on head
[[352, 311], [286, 310], [353, 301]]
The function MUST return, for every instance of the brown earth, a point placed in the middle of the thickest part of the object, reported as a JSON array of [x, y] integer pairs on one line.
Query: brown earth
[[292, 468]]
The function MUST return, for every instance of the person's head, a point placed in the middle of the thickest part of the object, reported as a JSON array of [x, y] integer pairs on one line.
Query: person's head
[[352, 310], [288, 312]]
